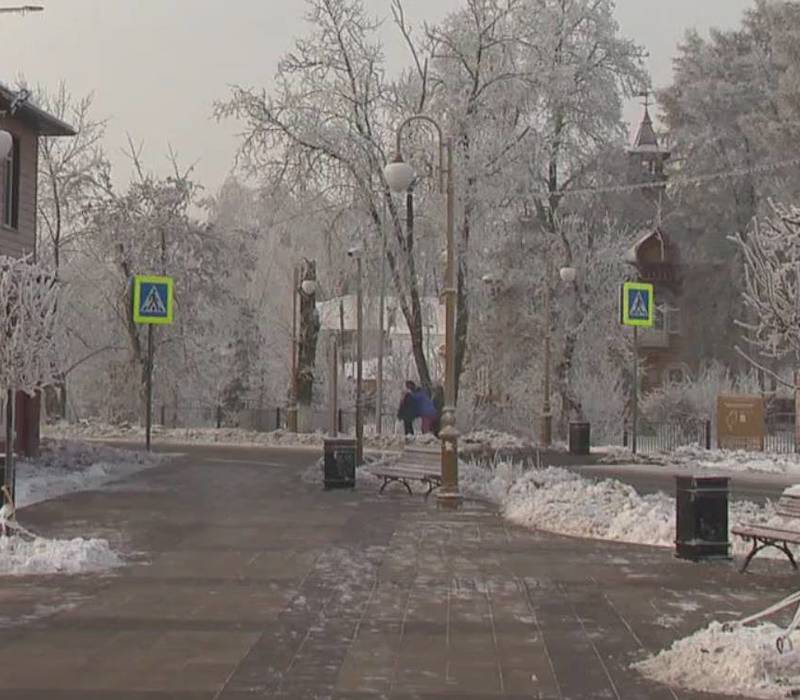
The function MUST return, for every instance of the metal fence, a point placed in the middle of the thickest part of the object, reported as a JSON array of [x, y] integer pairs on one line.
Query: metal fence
[[665, 437], [779, 436]]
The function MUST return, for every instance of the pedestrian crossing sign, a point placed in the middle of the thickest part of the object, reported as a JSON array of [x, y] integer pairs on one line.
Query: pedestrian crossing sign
[[638, 305], [152, 300]]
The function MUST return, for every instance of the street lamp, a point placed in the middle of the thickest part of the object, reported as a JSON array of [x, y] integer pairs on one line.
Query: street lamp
[[399, 175], [568, 275], [22, 10], [356, 254]]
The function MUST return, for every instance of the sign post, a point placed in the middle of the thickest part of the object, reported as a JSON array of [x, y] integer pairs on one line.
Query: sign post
[[153, 305], [637, 310]]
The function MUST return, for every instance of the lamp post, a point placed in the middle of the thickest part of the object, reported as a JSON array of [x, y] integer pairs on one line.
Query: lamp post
[[399, 175], [291, 414]]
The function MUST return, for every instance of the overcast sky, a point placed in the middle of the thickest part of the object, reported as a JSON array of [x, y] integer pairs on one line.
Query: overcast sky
[[156, 66]]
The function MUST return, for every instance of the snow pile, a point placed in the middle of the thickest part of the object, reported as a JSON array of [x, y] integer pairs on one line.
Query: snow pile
[[735, 460], [742, 660], [21, 556], [563, 502], [67, 466]]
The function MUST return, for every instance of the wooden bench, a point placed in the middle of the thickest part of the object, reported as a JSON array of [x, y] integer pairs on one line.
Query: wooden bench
[[414, 464], [763, 536]]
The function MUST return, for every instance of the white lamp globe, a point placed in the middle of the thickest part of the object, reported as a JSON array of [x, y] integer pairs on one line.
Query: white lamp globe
[[308, 287], [399, 175], [6, 144], [568, 274]]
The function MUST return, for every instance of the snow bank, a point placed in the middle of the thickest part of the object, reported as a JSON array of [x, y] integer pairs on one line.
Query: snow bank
[[563, 502], [697, 457], [67, 466], [742, 660], [20, 556]]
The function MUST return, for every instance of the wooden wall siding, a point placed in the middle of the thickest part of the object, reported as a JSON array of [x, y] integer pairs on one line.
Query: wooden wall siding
[[21, 241]]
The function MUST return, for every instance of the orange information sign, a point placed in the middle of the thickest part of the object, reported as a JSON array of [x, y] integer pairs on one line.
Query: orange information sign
[[740, 422]]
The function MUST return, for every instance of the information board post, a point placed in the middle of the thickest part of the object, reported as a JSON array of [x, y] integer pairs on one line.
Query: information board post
[[153, 305]]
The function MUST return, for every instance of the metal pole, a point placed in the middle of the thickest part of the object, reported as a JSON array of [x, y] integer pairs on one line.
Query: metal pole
[[148, 409], [291, 418], [381, 314], [333, 368], [359, 367], [546, 434], [635, 389], [449, 495]]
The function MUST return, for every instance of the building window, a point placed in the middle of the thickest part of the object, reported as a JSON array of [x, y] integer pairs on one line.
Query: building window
[[11, 187]]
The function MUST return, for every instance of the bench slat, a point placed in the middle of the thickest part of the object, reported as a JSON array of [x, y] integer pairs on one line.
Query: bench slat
[[768, 533]]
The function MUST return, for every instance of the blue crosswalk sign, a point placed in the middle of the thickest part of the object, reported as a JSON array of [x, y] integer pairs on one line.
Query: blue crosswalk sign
[[152, 300], [638, 304]]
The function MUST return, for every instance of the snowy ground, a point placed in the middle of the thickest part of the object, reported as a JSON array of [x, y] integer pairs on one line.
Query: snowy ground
[[65, 467], [561, 501], [94, 430], [741, 660], [697, 457]]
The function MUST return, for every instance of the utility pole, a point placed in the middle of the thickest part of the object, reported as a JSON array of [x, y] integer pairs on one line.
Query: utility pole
[[359, 366], [546, 428]]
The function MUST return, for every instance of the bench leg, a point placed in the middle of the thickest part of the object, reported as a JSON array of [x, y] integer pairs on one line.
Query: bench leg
[[388, 479], [788, 553], [756, 548]]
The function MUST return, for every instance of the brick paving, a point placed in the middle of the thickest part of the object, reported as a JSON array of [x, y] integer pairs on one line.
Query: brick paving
[[247, 582]]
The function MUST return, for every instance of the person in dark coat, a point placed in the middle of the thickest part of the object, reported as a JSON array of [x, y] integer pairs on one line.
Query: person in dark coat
[[407, 410]]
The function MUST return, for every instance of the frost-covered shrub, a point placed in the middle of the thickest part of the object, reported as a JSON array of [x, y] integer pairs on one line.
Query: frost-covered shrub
[[693, 400]]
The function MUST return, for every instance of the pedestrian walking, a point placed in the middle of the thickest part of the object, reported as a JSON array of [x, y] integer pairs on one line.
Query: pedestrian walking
[[406, 412]]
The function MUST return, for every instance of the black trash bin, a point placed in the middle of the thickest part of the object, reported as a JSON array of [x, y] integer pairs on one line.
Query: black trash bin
[[580, 439], [340, 463], [701, 513]]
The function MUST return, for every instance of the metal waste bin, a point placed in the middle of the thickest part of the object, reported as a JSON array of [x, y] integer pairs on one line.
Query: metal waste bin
[[701, 513], [340, 463], [580, 441]]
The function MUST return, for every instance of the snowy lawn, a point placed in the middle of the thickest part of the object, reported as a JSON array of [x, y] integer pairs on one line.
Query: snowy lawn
[[94, 430], [741, 660], [65, 467], [563, 502], [697, 457]]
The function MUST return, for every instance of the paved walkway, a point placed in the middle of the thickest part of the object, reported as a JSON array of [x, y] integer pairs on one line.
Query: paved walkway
[[248, 582]]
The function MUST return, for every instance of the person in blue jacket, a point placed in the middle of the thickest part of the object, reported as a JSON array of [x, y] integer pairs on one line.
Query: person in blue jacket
[[424, 408]]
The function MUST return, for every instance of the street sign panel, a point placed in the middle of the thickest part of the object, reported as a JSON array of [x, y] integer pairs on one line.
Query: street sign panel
[[638, 305], [152, 300]]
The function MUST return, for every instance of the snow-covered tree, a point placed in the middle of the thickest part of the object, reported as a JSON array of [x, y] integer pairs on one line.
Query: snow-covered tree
[[771, 253], [29, 335]]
